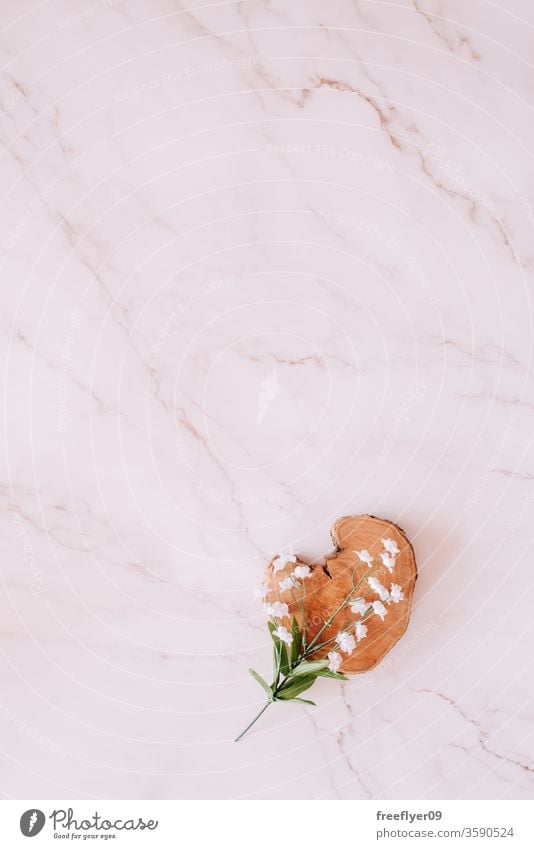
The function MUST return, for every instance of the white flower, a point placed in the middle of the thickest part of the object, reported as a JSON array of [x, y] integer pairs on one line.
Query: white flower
[[379, 609], [302, 572], [283, 634], [334, 661], [285, 556], [261, 592], [388, 560], [364, 556], [377, 587], [277, 609], [286, 584], [346, 642], [361, 631], [359, 606], [396, 593], [391, 546]]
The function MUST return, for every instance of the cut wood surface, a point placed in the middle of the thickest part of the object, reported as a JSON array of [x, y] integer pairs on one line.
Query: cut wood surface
[[331, 583]]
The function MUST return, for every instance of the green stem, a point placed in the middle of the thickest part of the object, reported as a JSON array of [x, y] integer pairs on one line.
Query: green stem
[[325, 643], [327, 623], [264, 708], [341, 606], [331, 618], [360, 621], [364, 576], [303, 614]]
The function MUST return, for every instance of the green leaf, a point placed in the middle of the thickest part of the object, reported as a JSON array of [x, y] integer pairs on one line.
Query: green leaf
[[303, 701], [277, 653], [307, 667], [295, 688], [296, 645], [263, 683], [284, 660], [277, 656], [325, 673]]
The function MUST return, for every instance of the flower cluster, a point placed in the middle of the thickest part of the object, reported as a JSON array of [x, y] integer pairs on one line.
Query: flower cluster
[[290, 582], [294, 670], [348, 638]]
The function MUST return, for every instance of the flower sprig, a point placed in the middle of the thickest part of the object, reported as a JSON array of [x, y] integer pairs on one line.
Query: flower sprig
[[296, 666]]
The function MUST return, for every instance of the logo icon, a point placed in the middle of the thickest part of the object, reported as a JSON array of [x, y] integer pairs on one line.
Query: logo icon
[[32, 822]]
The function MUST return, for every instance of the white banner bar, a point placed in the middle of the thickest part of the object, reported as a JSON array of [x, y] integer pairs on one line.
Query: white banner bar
[[264, 824]]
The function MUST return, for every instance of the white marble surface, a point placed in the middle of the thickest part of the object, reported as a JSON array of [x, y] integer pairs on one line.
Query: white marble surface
[[263, 264]]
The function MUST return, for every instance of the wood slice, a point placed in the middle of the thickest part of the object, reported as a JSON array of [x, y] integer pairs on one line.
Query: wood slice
[[331, 583]]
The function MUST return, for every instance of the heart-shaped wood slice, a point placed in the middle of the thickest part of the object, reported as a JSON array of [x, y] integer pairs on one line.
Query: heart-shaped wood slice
[[328, 586]]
